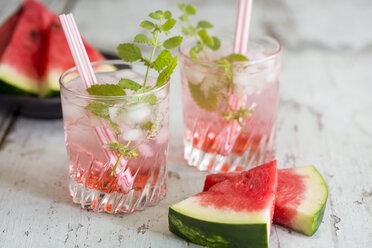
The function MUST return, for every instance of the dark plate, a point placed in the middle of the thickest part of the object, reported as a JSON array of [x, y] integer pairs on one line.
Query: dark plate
[[34, 107]]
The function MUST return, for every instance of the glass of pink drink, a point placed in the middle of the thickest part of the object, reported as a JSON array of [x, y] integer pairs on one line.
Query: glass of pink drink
[[217, 138], [139, 123]]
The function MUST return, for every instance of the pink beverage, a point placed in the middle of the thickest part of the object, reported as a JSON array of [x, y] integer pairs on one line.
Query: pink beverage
[[230, 111], [140, 127]]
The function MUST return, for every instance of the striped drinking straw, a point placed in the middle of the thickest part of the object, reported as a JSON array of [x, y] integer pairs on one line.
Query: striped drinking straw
[[243, 20], [83, 65]]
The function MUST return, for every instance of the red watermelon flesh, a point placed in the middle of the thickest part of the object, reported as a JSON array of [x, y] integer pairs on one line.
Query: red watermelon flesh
[[291, 194], [58, 58], [6, 31], [301, 197], [22, 55], [250, 190]]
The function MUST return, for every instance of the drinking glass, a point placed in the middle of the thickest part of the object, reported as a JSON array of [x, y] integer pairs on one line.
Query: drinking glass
[[116, 145], [230, 106]]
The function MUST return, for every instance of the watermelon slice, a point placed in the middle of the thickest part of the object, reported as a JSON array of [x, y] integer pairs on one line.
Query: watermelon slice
[[301, 197], [21, 49], [58, 58], [233, 213]]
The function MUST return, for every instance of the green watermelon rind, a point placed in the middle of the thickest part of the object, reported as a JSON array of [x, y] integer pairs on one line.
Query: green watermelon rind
[[318, 217], [308, 223], [52, 79], [317, 220], [14, 83], [216, 234]]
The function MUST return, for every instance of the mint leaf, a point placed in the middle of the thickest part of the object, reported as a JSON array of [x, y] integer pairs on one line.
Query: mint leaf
[[105, 90], [163, 59], [167, 14], [190, 9], [147, 24], [142, 38], [209, 103], [166, 73], [148, 125], [183, 18], [195, 50], [125, 83], [129, 52], [181, 6], [236, 57], [102, 110], [99, 109], [186, 31], [150, 98], [172, 42], [203, 34], [205, 24], [169, 24], [156, 15], [116, 147], [216, 43]]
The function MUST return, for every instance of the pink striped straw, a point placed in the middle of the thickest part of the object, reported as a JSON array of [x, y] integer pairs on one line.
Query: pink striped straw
[[243, 21], [84, 67]]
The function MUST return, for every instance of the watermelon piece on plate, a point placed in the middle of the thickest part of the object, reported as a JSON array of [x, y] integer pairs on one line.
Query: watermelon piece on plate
[[301, 197], [58, 58], [233, 213], [21, 56]]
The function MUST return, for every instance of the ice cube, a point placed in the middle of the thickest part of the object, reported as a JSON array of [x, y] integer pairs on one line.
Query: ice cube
[[136, 114], [194, 74], [249, 82], [114, 112], [72, 112], [145, 150], [132, 134]]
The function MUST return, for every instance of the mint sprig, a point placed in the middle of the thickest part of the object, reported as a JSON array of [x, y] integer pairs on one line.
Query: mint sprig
[[131, 52], [207, 96], [199, 32], [164, 64]]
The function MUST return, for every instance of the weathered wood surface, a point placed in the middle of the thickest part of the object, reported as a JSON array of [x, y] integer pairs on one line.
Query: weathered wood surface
[[325, 119]]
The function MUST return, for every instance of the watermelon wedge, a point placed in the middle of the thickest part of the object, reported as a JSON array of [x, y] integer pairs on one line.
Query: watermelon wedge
[[301, 197], [58, 58], [21, 55], [233, 213]]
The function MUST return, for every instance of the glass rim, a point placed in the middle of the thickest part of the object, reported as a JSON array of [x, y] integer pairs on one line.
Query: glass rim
[[273, 55], [91, 97]]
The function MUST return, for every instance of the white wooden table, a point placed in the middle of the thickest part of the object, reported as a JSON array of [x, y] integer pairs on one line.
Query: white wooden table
[[325, 119]]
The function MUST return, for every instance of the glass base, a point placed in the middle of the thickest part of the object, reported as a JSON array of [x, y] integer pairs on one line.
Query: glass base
[[232, 162], [116, 202]]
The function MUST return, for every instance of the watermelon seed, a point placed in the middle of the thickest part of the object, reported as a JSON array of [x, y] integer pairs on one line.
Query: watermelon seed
[[34, 34], [56, 25]]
